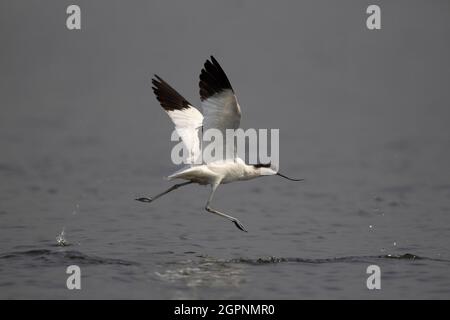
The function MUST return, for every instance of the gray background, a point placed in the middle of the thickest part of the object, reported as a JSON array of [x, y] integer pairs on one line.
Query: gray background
[[363, 116]]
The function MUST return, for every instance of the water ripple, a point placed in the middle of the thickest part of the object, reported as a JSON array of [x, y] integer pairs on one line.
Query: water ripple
[[273, 260], [62, 257]]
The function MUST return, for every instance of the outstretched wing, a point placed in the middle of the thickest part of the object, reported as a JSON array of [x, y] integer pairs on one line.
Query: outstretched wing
[[220, 107], [186, 118]]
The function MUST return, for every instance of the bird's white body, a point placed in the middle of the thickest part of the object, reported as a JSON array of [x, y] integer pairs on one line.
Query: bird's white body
[[220, 172]]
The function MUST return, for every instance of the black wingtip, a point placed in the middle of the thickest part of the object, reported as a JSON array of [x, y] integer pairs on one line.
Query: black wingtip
[[167, 96], [213, 79]]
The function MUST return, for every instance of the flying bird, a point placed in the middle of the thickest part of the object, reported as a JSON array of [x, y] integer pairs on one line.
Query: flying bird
[[221, 111]]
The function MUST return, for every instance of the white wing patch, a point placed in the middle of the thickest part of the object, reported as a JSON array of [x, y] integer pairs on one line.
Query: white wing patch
[[188, 123], [221, 111], [186, 118]]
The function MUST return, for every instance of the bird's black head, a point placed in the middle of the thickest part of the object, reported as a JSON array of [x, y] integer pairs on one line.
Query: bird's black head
[[262, 165]]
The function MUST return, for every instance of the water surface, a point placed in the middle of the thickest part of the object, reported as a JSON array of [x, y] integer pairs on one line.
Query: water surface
[[363, 117]]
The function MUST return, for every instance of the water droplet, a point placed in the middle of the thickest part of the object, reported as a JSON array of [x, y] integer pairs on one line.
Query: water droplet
[[61, 239]]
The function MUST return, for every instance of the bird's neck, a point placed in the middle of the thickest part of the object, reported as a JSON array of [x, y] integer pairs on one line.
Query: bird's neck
[[250, 172]]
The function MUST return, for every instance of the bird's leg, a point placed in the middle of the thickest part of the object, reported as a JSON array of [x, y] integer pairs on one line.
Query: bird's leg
[[209, 209], [174, 187]]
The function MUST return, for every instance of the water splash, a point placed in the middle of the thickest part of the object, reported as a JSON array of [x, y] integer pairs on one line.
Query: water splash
[[61, 239], [208, 272]]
